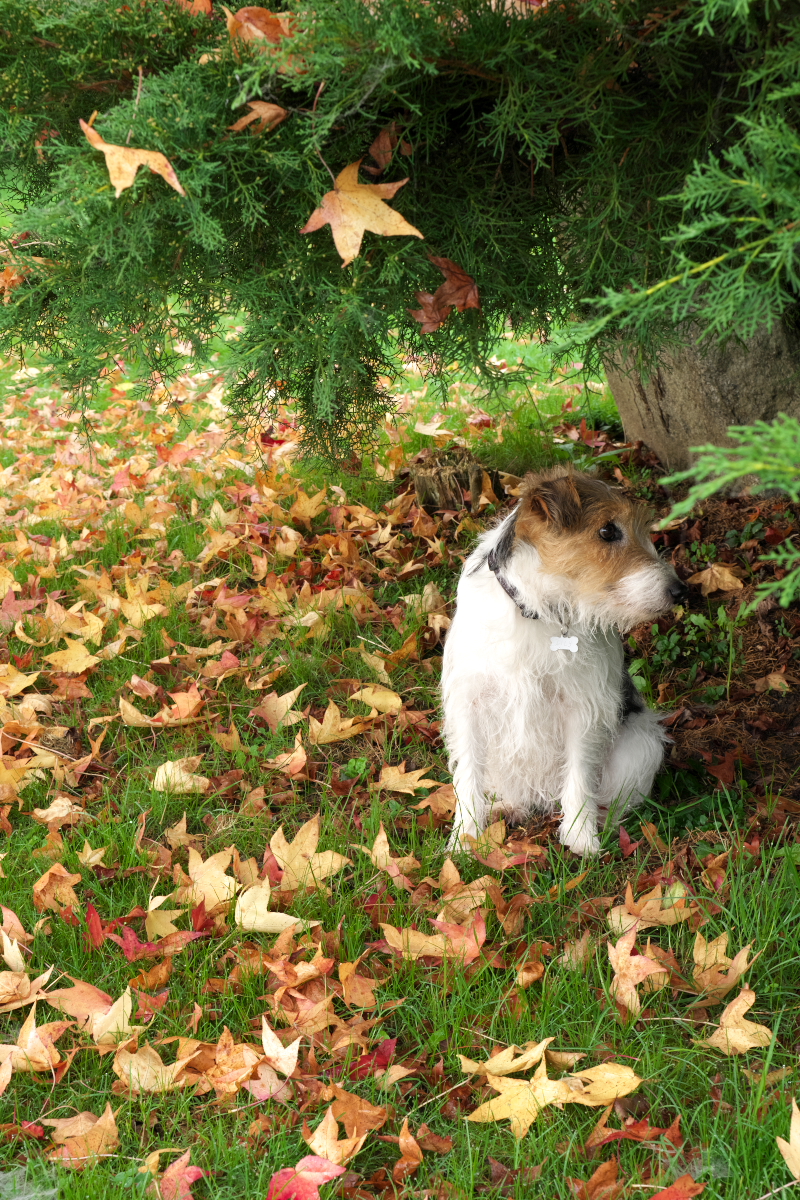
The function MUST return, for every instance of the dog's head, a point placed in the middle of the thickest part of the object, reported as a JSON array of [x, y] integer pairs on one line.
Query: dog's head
[[593, 549]]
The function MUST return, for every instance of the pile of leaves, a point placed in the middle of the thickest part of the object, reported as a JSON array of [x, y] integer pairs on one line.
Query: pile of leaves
[[238, 960]]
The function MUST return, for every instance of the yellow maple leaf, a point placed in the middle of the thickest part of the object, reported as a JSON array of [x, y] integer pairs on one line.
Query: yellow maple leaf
[[398, 779], [718, 577], [74, 660], [334, 727], [302, 865], [735, 1034], [124, 161], [791, 1149], [353, 207]]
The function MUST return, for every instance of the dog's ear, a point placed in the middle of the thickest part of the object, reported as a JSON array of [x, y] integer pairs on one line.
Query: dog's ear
[[556, 500]]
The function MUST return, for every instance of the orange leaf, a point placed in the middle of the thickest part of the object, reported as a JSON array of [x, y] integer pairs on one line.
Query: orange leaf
[[124, 161], [353, 207]]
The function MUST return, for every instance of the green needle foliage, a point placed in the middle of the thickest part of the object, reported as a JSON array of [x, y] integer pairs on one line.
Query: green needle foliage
[[645, 157]]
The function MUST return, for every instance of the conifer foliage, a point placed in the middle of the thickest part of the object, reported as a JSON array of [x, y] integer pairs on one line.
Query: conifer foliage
[[168, 161]]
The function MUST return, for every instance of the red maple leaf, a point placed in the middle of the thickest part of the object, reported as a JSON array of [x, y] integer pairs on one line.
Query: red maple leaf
[[303, 1181]]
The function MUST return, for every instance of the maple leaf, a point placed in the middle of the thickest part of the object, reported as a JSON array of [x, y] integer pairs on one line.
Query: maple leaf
[[379, 699], [16, 988], [279, 1057], [380, 854], [158, 922], [325, 1141], [63, 811], [353, 207], [83, 1139], [177, 1180], [178, 776], [629, 971], [34, 1049], [735, 1034], [277, 710], [602, 1185], [209, 883], [105, 1020], [656, 908], [461, 942], [398, 779], [254, 24], [74, 660], [124, 161], [577, 955], [143, 1070], [335, 728], [293, 762], [521, 1101], [382, 149], [303, 1181], [411, 1156], [54, 890], [684, 1188], [12, 681], [791, 1149], [262, 117], [719, 577], [302, 865], [509, 1061], [252, 911], [714, 973], [459, 290]]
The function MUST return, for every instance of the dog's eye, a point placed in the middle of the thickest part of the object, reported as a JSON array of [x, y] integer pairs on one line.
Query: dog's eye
[[610, 532]]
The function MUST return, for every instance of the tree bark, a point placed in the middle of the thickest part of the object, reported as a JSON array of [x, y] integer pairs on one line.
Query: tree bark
[[699, 390]]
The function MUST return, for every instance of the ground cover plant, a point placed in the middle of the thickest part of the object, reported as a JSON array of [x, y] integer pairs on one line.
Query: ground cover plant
[[238, 961]]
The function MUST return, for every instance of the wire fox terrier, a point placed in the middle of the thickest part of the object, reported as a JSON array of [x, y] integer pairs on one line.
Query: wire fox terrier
[[540, 712]]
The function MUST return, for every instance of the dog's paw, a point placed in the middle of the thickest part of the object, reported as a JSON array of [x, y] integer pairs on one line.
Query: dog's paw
[[581, 841], [457, 842]]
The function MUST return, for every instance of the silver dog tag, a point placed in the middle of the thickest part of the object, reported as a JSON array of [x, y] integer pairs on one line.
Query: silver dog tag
[[564, 643]]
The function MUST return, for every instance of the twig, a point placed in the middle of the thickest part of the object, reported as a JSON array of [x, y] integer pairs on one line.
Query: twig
[[136, 105], [783, 1188]]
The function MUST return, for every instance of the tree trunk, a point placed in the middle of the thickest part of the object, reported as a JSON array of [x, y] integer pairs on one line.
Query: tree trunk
[[699, 390]]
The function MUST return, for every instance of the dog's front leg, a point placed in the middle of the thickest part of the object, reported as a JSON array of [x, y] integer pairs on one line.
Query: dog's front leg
[[578, 829]]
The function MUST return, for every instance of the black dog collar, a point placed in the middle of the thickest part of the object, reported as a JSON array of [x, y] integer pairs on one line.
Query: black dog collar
[[509, 588]]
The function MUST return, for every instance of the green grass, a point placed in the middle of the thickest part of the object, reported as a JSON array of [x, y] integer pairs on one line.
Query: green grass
[[729, 1124]]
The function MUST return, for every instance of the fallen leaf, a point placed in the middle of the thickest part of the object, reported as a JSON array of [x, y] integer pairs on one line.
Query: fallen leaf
[[379, 699], [791, 1149], [398, 779], [124, 161], [602, 1185], [293, 762], [334, 727], [521, 1101], [279, 1057], [714, 973], [210, 885], [303, 1181], [411, 1156], [253, 912], [54, 890], [658, 907], [261, 118], [176, 1181], [577, 955], [735, 1034], [276, 710], [462, 942], [353, 207], [143, 1071], [302, 865], [684, 1187], [16, 988], [380, 855], [509, 1061], [719, 577], [89, 1142], [74, 660], [325, 1141], [459, 290], [178, 776], [629, 971]]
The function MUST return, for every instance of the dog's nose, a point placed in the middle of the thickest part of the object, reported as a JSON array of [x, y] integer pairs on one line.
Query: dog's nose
[[677, 591]]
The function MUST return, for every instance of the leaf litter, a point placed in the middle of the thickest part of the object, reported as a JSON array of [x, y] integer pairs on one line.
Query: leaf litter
[[321, 1030]]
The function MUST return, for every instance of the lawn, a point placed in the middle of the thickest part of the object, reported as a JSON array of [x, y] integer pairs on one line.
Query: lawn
[[224, 806]]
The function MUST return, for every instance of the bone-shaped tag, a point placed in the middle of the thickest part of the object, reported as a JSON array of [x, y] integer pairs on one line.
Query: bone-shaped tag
[[564, 643]]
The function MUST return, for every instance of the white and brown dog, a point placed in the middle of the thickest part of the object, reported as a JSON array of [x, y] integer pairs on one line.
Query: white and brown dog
[[540, 712]]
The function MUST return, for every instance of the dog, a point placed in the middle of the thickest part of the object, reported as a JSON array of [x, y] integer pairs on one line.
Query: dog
[[540, 712]]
